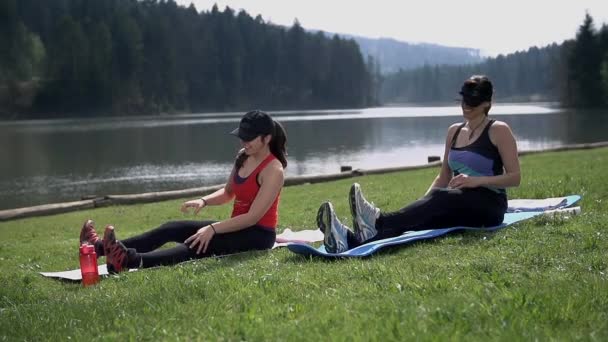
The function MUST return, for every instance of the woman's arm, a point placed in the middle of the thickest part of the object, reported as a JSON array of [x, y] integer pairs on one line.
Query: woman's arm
[[445, 174], [271, 183], [502, 137], [221, 196]]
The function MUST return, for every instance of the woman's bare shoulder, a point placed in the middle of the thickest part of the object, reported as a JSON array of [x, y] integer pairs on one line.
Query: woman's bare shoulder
[[500, 127], [498, 123]]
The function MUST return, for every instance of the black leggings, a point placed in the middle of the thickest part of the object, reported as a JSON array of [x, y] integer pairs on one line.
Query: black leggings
[[442, 208], [145, 245]]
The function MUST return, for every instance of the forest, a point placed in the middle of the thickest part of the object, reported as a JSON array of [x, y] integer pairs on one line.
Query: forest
[[127, 57]]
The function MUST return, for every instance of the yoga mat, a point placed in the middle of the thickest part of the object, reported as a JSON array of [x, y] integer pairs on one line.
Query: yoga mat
[[408, 237], [286, 237], [517, 205], [75, 275]]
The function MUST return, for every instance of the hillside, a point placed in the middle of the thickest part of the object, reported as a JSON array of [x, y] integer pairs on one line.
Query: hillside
[[394, 55]]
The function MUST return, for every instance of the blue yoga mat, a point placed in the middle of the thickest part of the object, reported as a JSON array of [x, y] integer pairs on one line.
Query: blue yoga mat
[[372, 247]]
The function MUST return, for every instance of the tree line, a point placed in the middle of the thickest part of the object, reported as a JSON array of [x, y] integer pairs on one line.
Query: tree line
[[574, 73], [82, 57]]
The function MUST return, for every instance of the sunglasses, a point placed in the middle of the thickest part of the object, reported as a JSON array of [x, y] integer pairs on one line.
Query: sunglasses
[[472, 101]]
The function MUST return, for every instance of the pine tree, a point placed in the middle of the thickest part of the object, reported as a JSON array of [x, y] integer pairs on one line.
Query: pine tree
[[583, 66], [100, 81], [603, 48]]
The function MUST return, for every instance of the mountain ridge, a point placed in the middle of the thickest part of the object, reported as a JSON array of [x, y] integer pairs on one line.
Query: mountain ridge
[[394, 55]]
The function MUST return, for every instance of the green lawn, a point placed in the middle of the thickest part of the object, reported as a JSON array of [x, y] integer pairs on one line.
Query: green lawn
[[543, 279]]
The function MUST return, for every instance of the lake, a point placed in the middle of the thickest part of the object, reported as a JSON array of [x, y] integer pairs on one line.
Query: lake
[[48, 161]]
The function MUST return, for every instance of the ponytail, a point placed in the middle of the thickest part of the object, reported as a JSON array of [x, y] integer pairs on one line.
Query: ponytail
[[240, 159], [277, 143]]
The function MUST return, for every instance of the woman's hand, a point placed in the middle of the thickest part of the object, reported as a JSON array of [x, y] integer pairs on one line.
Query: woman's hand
[[196, 204], [201, 238], [463, 181]]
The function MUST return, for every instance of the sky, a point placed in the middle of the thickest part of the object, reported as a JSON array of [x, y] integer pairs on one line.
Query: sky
[[493, 26]]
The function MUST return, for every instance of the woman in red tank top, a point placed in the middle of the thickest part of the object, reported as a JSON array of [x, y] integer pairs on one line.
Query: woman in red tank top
[[254, 186]]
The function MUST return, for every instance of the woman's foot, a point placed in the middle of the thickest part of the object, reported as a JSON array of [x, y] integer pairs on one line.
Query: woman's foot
[[116, 253], [364, 214], [335, 233], [89, 236]]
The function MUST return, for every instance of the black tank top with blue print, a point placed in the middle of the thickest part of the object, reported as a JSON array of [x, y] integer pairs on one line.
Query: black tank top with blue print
[[481, 158]]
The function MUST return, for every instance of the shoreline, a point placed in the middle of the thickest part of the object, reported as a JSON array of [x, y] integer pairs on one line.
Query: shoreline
[[109, 200]]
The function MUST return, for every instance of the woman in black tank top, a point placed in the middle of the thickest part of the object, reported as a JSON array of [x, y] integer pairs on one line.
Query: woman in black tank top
[[480, 161]]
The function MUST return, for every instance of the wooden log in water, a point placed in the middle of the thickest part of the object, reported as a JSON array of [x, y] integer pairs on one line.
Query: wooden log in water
[[397, 169], [159, 195], [45, 209], [567, 148], [309, 179]]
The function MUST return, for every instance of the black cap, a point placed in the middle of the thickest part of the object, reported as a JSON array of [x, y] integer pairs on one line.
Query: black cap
[[254, 124], [476, 90]]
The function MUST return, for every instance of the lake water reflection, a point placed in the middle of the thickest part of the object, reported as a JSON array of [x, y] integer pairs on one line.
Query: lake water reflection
[[63, 160]]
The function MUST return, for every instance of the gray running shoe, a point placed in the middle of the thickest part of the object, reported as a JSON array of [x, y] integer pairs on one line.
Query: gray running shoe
[[364, 214], [335, 233]]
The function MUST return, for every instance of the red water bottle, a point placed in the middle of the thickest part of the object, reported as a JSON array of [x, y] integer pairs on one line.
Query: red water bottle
[[88, 265]]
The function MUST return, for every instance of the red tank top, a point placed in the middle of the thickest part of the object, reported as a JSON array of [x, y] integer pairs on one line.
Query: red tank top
[[245, 190]]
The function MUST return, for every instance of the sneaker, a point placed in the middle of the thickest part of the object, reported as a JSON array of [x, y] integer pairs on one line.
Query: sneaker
[[88, 235], [364, 214], [115, 251], [334, 232]]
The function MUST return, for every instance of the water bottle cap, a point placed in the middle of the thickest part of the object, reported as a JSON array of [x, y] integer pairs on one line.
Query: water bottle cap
[[87, 249]]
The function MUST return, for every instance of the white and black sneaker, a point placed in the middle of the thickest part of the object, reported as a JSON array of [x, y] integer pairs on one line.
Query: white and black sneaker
[[364, 214], [334, 232]]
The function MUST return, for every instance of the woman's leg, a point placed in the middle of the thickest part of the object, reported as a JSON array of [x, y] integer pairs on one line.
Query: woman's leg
[[252, 238], [441, 208], [174, 231]]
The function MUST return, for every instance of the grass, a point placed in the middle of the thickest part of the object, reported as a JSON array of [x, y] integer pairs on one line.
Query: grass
[[543, 279]]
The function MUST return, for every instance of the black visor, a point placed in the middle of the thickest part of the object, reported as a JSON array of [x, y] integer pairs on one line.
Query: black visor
[[253, 124], [244, 134]]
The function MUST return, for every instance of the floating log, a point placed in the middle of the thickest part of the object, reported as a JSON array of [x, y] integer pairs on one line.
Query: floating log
[[45, 209], [309, 179], [160, 195], [567, 148], [396, 169]]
